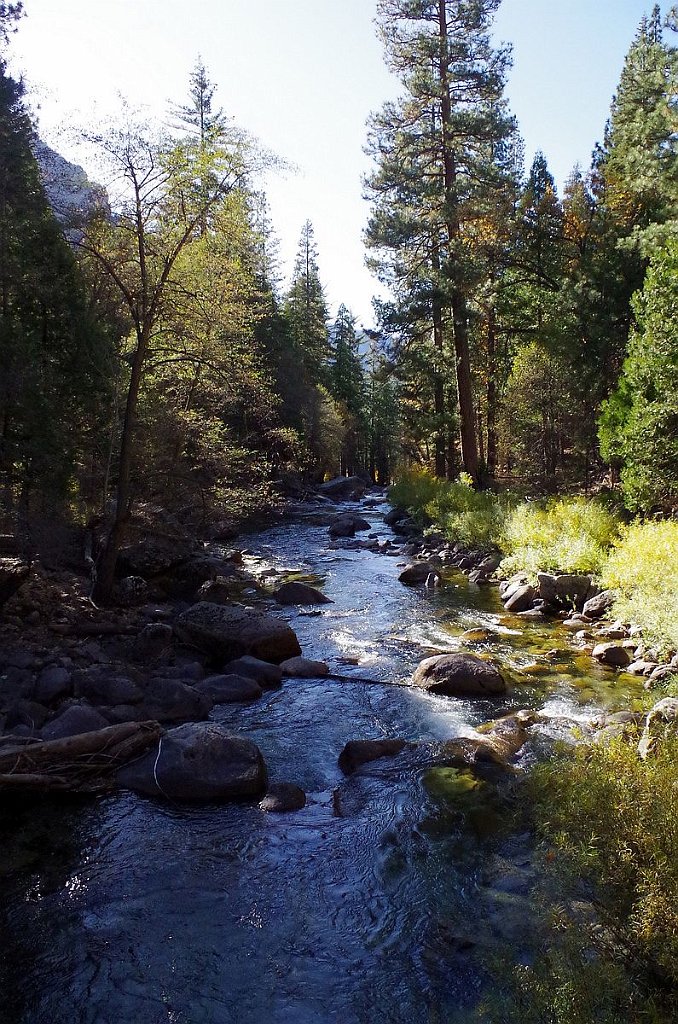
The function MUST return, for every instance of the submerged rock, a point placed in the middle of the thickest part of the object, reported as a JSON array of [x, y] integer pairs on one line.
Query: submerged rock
[[459, 675], [198, 763], [359, 752]]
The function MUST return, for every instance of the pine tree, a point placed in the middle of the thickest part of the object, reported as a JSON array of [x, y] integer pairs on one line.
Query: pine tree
[[51, 351], [306, 310], [435, 151], [347, 387]]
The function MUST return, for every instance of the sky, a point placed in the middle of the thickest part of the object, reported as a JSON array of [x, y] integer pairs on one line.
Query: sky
[[303, 76]]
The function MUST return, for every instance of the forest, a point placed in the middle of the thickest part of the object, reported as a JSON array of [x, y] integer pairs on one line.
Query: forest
[[151, 355], [517, 395]]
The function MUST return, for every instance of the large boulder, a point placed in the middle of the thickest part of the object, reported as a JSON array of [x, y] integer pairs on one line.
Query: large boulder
[[229, 689], [416, 573], [229, 632], [662, 723], [396, 515], [100, 686], [343, 488], [300, 593], [459, 675], [53, 684], [198, 763], [348, 524], [566, 589]]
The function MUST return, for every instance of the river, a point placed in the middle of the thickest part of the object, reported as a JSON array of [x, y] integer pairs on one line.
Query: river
[[385, 900]]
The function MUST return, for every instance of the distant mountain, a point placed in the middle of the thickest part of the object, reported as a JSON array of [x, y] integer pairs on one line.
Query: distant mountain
[[71, 194]]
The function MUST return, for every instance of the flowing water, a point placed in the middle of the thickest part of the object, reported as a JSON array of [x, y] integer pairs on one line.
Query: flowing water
[[384, 900]]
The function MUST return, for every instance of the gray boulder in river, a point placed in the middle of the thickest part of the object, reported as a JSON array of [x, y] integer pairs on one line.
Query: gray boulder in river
[[198, 763], [223, 631], [300, 593], [459, 675]]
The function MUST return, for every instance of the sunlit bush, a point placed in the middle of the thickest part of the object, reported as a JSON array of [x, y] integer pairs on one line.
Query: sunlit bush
[[643, 567], [566, 534]]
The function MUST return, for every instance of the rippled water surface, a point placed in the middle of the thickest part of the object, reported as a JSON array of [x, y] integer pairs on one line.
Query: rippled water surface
[[381, 901]]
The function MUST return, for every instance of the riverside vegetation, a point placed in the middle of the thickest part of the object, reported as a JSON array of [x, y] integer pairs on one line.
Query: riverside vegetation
[[159, 384]]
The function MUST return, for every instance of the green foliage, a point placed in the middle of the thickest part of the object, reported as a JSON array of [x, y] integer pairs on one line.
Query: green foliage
[[609, 819], [569, 535], [473, 518], [643, 567], [640, 421]]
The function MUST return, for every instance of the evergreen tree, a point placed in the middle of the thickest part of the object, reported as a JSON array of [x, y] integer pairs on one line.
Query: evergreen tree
[[51, 351], [436, 166], [347, 386], [639, 425], [306, 311]]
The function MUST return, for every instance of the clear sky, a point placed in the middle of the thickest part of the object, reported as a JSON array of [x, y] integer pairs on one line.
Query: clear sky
[[302, 76]]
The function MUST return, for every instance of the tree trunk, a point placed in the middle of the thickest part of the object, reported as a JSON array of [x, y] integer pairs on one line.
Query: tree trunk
[[491, 395], [469, 447], [103, 587]]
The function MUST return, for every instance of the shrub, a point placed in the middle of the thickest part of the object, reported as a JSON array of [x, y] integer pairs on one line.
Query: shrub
[[568, 534], [475, 519], [609, 834], [415, 488], [643, 567]]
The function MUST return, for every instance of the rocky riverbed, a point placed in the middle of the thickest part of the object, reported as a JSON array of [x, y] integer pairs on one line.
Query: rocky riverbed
[[390, 721]]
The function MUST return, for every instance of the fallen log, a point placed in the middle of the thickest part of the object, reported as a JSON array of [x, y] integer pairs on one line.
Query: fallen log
[[78, 764]]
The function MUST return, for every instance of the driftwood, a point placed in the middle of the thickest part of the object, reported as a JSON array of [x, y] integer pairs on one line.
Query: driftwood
[[77, 764]]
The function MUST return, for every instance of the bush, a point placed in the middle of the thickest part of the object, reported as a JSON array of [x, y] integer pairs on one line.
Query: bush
[[643, 567], [473, 518], [415, 488], [568, 535], [609, 836]]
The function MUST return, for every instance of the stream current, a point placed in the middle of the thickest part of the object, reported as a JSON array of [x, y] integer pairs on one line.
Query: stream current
[[377, 902]]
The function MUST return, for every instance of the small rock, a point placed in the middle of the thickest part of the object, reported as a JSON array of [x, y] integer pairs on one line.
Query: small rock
[[53, 683], [229, 689], [418, 572], [596, 606], [661, 723], [282, 797], [520, 600], [75, 720], [304, 668], [612, 654], [267, 675]]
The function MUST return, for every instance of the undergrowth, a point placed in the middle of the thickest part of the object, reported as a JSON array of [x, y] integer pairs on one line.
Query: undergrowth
[[643, 568], [609, 834]]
